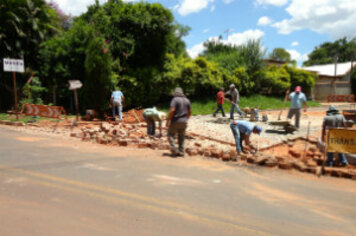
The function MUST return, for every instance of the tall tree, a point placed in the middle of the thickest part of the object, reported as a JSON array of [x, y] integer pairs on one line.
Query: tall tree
[[326, 52], [280, 54]]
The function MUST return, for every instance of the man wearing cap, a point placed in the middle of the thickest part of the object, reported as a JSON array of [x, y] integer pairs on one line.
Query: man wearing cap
[[297, 98], [333, 120], [242, 130], [235, 98], [151, 115], [179, 114]]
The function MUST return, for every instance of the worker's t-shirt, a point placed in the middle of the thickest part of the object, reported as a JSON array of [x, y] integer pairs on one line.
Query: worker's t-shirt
[[334, 121], [182, 107], [117, 97], [220, 97], [154, 114], [244, 126], [297, 100], [235, 96]]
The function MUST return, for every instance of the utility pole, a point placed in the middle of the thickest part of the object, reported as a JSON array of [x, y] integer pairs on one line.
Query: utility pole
[[227, 31], [336, 57]]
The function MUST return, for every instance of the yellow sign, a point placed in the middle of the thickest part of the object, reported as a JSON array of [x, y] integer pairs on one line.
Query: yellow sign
[[342, 141]]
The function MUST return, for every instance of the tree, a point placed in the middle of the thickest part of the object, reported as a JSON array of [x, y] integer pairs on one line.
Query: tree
[[325, 53], [24, 25], [135, 41], [280, 54]]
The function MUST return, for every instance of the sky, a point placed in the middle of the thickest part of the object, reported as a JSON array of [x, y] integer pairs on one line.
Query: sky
[[296, 25]]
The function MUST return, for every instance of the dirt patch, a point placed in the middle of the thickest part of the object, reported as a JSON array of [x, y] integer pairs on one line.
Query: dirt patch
[[29, 139]]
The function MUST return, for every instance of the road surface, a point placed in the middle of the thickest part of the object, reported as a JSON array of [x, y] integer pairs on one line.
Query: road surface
[[55, 186]]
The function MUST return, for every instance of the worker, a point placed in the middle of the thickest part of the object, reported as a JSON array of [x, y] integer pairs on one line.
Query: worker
[[151, 115], [179, 113], [297, 98], [117, 102], [242, 130], [220, 102], [235, 98], [333, 120]]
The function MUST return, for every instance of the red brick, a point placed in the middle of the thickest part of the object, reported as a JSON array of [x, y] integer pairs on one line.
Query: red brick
[[285, 165], [299, 166], [207, 153], [164, 147], [294, 153], [197, 144], [260, 160], [143, 145], [271, 162], [251, 159], [123, 143], [216, 153], [226, 156]]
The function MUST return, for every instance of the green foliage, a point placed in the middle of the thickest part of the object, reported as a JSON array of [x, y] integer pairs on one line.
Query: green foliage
[[198, 77], [280, 54], [99, 79], [240, 65], [277, 80], [325, 53], [301, 77], [24, 25], [33, 92], [242, 80]]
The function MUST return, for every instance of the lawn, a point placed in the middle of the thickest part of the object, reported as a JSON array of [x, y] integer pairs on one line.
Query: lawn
[[208, 106]]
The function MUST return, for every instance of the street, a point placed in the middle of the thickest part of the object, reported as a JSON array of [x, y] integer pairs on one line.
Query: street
[[55, 186]]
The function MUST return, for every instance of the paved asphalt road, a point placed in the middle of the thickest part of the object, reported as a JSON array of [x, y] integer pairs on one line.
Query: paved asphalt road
[[53, 186]]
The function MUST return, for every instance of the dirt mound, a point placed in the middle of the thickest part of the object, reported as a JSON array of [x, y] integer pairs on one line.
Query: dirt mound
[[133, 116]]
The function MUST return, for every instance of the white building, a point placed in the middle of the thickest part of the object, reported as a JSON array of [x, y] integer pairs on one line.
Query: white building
[[332, 80]]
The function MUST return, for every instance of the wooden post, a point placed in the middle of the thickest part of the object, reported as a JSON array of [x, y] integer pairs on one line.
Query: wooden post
[[325, 147], [307, 140], [76, 104], [15, 94]]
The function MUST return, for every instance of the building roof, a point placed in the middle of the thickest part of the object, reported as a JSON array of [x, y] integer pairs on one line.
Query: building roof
[[329, 69]]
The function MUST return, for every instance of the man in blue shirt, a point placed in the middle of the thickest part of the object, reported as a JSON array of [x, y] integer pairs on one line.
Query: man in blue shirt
[[297, 98], [242, 130], [117, 102]]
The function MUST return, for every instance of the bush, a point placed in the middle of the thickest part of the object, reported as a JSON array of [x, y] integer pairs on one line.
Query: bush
[[276, 79]]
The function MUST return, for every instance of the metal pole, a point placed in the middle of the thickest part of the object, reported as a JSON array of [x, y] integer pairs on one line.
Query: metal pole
[[76, 104], [15, 93]]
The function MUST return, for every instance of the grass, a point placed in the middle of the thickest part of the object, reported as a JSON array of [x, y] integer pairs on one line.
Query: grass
[[5, 116], [208, 106]]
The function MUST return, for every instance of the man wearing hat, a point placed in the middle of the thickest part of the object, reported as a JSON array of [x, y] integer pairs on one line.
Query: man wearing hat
[[242, 130], [235, 98], [333, 120], [179, 114], [297, 98]]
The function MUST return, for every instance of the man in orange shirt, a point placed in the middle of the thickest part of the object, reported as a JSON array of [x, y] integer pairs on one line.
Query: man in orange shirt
[[220, 100]]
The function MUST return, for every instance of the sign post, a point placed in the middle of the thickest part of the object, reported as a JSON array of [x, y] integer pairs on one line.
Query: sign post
[[14, 65], [340, 140], [75, 85]]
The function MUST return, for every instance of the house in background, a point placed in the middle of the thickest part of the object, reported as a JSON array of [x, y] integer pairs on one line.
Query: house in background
[[333, 79]]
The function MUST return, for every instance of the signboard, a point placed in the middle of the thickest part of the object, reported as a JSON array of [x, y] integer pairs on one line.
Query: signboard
[[75, 84], [342, 141], [43, 111], [13, 65]]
